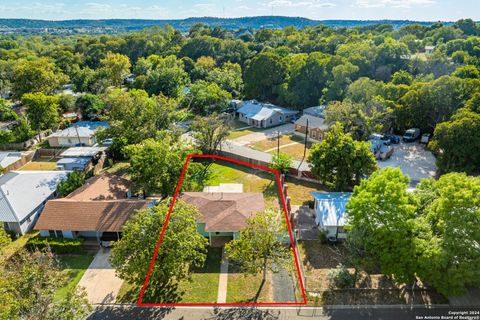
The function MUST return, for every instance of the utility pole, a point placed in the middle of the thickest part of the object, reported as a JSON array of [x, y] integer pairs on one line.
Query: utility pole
[[278, 143], [305, 147], [78, 136]]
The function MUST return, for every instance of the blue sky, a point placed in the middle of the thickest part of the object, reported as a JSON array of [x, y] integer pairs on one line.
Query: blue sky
[[425, 10]]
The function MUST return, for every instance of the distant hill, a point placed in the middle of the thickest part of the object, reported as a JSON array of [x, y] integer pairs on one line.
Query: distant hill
[[122, 25]]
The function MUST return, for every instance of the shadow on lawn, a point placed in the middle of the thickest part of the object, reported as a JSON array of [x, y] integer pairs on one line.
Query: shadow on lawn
[[243, 313]]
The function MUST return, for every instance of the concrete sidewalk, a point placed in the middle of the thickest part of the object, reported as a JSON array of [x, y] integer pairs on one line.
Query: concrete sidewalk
[[223, 279]]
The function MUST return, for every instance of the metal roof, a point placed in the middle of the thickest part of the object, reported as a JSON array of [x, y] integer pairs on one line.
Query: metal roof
[[313, 122], [82, 151], [9, 157], [21, 192], [331, 207], [74, 160], [84, 129], [261, 111]]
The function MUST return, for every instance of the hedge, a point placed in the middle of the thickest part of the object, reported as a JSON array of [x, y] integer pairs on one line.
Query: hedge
[[57, 245]]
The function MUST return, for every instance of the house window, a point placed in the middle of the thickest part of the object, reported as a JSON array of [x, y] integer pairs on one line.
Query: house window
[[271, 121], [59, 234], [281, 118], [55, 233], [69, 140], [314, 134], [52, 233]]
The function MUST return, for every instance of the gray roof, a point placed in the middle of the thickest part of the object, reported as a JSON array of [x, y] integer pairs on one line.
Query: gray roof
[[317, 111], [331, 207], [82, 151], [74, 160], [84, 129], [261, 111], [9, 157], [21, 192], [313, 122]]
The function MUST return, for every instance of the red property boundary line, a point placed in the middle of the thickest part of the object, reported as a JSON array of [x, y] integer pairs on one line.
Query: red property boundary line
[[277, 175]]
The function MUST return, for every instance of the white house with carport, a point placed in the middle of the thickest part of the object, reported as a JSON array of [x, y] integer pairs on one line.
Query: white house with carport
[[23, 195], [330, 210], [264, 115], [81, 133]]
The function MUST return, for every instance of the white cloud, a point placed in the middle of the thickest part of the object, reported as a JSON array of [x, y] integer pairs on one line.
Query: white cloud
[[393, 3]]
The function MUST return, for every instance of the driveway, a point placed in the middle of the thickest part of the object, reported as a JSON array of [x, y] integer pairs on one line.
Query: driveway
[[413, 159], [265, 134], [100, 281]]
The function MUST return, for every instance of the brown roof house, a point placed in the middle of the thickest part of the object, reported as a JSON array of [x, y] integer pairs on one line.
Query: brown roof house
[[99, 209], [224, 214]]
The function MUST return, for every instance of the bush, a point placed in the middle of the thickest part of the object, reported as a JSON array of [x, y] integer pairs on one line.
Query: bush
[[322, 236], [340, 278], [57, 245]]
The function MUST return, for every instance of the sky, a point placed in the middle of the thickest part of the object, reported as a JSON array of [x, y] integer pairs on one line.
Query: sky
[[422, 10]]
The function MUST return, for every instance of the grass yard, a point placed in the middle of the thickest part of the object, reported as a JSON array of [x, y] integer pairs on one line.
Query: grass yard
[[296, 151], [16, 245], [118, 168], [204, 285], [272, 143], [299, 191], [40, 166], [244, 288], [73, 267], [202, 288]]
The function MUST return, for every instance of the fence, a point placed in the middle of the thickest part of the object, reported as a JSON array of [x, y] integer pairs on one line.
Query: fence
[[25, 158], [24, 145]]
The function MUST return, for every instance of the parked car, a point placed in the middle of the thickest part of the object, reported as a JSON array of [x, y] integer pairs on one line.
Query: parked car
[[425, 138], [384, 153], [380, 137], [393, 138], [411, 135]]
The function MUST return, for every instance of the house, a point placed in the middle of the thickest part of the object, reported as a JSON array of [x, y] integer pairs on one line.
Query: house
[[78, 134], [315, 126], [80, 158], [8, 158], [23, 195], [318, 111], [264, 115], [224, 214], [98, 209], [330, 210], [73, 164], [429, 49]]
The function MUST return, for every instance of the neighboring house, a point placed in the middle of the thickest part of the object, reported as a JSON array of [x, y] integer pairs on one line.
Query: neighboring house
[[73, 164], [330, 210], [264, 115], [318, 111], [98, 209], [78, 134], [224, 214], [8, 158], [429, 49], [23, 195], [316, 127], [80, 158]]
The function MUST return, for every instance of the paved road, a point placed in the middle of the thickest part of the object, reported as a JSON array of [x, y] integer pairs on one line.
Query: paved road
[[292, 313]]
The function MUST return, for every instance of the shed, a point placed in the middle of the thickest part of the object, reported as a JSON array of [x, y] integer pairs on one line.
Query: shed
[[330, 208], [73, 164]]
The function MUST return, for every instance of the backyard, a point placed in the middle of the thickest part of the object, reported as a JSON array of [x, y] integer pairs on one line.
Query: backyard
[[40, 166], [289, 144]]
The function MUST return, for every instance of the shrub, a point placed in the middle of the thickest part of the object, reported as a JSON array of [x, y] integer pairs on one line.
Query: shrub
[[57, 245], [340, 278], [322, 236]]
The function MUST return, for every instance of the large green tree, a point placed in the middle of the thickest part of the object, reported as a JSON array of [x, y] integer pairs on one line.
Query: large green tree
[[261, 246], [382, 211], [42, 110], [210, 132], [206, 98], [449, 232], [116, 66], [339, 161], [182, 248]]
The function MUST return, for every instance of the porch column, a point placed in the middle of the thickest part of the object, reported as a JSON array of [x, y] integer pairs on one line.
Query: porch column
[[210, 238]]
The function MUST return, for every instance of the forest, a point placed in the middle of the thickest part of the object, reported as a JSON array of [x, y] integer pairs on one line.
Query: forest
[[371, 78]]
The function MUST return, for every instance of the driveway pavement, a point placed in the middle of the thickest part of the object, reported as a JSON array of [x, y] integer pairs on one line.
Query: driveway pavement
[[100, 281], [265, 134], [414, 160]]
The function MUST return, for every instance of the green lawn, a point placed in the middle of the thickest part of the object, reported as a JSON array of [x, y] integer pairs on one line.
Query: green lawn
[[202, 288], [73, 267], [16, 245], [204, 285], [244, 288]]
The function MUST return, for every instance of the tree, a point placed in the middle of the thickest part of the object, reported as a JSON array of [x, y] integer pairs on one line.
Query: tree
[[382, 210], [90, 105], [210, 132], [339, 161], [42, 110], [455, 142], [6, 112], [264, 75], [133, 117], [40, 75], [449, 232], [182, 248], [229, 78], [260, 247], [115, 66], [74, 180], [156, 165], [206, 98], [31, 280], [281, 162]]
